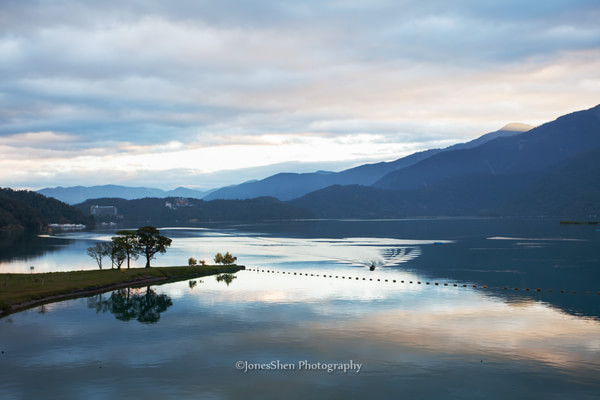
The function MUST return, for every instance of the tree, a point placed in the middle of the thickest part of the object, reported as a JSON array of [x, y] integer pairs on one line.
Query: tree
[[228, 258], [98, 251], [224, 259], [128, 241], [150, 242], [117, 252], [192, 261]]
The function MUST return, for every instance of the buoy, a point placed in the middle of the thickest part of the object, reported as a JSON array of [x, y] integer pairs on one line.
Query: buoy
[[436, 284]]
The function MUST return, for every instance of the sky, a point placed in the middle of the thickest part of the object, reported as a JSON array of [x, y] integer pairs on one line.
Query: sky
[[205, 94]]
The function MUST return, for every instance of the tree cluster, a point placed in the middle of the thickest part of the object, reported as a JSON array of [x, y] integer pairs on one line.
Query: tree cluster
[[146, 241], [224, 259], [193, 262]]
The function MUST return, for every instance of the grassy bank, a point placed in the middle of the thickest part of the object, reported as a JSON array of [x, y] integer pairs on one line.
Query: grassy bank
[[21, 291]]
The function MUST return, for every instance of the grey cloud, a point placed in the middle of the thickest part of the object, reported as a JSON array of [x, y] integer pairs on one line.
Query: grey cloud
[[152, 72]]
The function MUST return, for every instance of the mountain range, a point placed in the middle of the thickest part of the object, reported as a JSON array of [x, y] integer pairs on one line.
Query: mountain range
[[79, 194], [282, 186], [288, 186], [551, 169]]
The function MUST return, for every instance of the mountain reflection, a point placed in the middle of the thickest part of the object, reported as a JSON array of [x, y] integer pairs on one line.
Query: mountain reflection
[[128, 304]]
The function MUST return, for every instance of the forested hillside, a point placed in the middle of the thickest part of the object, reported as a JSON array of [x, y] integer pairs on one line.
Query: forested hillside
[[23, 209], [185, 210]]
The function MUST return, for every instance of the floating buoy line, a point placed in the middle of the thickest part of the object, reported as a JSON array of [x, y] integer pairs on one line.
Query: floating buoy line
[[414, 282]]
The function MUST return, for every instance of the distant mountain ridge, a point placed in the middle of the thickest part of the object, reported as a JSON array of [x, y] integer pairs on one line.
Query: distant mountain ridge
[[288, 186], [531, 151], [551, 170], [79, 194]]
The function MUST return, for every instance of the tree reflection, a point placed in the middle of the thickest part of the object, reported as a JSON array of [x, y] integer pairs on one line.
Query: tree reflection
[[128, 304], [227, 278]]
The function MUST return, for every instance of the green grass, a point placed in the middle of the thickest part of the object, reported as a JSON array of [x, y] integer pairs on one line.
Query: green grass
[[18, 290]]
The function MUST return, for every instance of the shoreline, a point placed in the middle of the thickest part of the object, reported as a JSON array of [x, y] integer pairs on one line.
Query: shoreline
[[59, 289]]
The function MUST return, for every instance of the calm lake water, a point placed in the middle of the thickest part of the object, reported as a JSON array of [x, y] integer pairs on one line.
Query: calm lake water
[[286, 327]]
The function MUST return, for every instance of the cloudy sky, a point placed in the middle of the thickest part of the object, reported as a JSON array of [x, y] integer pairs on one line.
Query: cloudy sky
[[208, 93]]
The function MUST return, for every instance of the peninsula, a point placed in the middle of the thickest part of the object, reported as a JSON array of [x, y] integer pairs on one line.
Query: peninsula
[[22, 291]]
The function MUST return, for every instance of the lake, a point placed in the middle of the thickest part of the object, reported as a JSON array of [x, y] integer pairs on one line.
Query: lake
[[455, 308]]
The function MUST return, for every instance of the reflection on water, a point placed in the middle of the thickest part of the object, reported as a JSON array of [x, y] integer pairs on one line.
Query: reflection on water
[[227, 278], [127, 304], [414, 340], [17, 245]]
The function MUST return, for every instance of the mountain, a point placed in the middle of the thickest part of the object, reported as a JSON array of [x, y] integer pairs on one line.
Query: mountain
[[178, 211], [528, 152], [550, 170], [287, 186], [22, 209], [570, 190], [78, 194]]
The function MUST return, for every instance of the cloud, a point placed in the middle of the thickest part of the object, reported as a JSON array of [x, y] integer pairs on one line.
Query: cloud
[[112, 75]]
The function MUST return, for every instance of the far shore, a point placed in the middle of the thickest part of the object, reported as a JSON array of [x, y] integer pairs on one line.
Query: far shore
[[19, 292]]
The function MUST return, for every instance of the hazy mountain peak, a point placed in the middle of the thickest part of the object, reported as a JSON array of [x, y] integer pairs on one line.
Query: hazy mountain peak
[[517, 127]]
